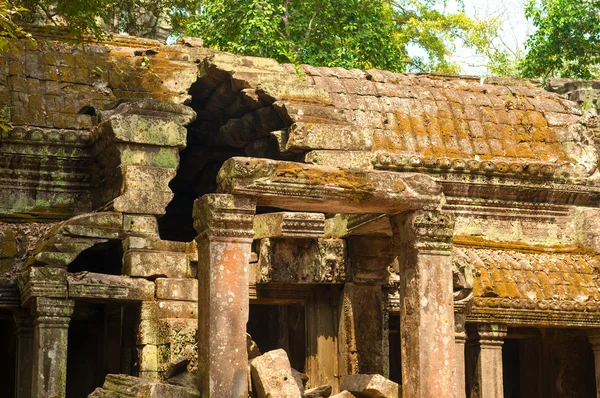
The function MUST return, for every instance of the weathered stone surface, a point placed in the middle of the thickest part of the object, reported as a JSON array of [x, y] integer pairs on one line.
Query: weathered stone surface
[[272, 376], [485, 341], [370, 386], [185, 289], [177, 309], [147, 264], [140, 224], [289, 225], [90, 285], [252, 348], [303, 136], [343, 394], [301, 379], [317, 392], [424, 240], [371, 257], [300, 261], [129, 386], [50, 331], [224, 224], [342, 159], [180, 338], [146, 130], [303, 187]]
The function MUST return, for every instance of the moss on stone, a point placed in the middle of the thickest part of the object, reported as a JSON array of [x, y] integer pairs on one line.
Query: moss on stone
[[166, 158]]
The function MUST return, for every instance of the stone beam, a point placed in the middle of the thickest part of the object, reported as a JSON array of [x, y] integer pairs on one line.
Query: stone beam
[[224, 224], [289, 225], [304, 187], [90, 285], [424, 240]]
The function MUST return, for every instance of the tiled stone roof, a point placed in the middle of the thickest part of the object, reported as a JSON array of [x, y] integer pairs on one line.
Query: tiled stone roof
[[522, 284]]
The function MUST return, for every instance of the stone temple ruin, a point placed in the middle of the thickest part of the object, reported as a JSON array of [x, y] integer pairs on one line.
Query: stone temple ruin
[[382, 234]]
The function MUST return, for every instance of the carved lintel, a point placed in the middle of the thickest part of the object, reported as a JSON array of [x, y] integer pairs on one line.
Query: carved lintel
[[424, 231], [224, 216], [89, 285], [300, 261], [289, 225], [9, 294]]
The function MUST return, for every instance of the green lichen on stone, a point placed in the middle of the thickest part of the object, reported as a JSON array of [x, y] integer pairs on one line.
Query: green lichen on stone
[[41, 203], [166, 158]]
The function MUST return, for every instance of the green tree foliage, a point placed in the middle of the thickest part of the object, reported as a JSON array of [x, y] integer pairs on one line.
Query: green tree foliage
[[567, 40], [348, 33], [100, 17]]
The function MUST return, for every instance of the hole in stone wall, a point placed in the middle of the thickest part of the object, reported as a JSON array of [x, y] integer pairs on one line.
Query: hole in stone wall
[[280, 326], [104, 258], [8, 347]]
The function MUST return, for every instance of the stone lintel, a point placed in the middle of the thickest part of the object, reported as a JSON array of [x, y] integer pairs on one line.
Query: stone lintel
[[289, 225], [226, 216], [90, 285], [307, 260], [370, 258], [304, 187]]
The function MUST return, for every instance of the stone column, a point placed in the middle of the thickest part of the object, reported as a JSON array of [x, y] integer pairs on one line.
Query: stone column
[[460, 339], [51, 318], [224, 223], [594, 339], [363, 336], [424, 240], [486, 342], [24, 358]]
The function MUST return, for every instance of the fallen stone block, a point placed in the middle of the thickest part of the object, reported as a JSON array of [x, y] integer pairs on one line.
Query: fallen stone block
[[370, 386], [301, 379], [252, 348], [272, 376], [343, 394], [129, 386], [318, 392]]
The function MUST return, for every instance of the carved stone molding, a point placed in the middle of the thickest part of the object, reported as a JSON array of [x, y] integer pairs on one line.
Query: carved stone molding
[[52, 312], [289, 225], [224, 216], [490, 335], [424, 231], [45, 282]]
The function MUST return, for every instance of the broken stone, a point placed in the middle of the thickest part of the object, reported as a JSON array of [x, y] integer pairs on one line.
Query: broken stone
[[176, 367], [185, 379], [370, 386], [129, 386], [343, 394], [253, 350], [272, 376], [301, 379], [318, 392]]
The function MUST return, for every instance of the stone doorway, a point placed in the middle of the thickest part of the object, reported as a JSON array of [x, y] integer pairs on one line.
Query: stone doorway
[[274, 326], [395, 360], [100, 342]]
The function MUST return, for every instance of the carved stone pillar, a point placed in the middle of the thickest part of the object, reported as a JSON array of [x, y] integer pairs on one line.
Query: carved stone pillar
[[485, 341], [24, 360], [460, 339], [594, 339], [463, 301], [51, 318], [363, 333], [224, 224], [424, 240]]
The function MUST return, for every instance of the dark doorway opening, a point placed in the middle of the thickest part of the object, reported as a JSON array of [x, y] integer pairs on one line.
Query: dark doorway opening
[[275, 326], [8, 346], [100, 342], [394, 345]]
